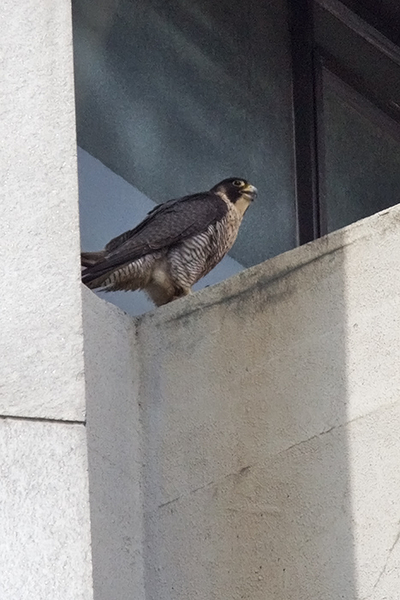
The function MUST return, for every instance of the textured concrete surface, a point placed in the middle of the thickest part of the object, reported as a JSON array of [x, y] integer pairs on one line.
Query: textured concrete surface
[[40, 319], [114, 447], [243, 442], [44, 507], [45, 538], [270, 410]]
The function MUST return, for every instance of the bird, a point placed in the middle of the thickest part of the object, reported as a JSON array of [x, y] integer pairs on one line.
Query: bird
[[177, 243]]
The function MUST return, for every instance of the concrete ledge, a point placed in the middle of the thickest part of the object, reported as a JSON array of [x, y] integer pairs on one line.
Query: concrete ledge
[[269, 410], [280, 266]]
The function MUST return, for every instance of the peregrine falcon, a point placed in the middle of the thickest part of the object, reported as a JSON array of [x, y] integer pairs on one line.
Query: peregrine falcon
[[178, 242]]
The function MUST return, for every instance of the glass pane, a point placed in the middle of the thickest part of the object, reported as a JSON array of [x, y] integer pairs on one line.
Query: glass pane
[[360, 60], [360, 157], [175, 96], [383, 15]]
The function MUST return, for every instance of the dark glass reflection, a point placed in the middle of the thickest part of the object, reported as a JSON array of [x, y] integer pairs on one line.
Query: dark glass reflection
[[360, 157], [176, 96], [369, 69]]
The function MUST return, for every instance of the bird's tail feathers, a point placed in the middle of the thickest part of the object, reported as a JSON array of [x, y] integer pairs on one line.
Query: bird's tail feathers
[[89, 259], [93, 282]]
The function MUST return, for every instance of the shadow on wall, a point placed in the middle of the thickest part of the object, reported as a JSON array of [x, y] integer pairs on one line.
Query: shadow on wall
[[114, 451], [263, 416], [244, 406], [263, 461]]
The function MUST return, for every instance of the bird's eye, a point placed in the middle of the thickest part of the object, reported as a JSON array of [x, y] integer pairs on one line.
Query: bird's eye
[[238, 183]]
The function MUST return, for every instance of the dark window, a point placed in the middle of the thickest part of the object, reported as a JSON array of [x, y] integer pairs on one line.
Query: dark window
[[301, 97], [351, 84], [360, 161], [175, 96]]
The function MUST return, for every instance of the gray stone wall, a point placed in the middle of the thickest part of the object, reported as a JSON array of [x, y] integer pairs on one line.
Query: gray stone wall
[[239, 443], [44, 496], [269, 411]]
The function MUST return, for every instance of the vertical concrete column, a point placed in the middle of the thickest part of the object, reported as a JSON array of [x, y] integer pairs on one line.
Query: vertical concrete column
[[45, 526], [115, 451], [41, 329]]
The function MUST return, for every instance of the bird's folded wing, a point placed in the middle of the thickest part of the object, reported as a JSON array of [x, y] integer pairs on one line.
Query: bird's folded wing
[[165, 226]]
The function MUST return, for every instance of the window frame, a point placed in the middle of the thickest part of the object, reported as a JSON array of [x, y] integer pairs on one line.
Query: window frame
[[308, 64]]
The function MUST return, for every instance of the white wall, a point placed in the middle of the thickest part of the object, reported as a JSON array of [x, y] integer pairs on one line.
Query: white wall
[[44, 497], [109, 205], [41, 329], [44, 506], [270, 414], [243, 442], [115, 451]]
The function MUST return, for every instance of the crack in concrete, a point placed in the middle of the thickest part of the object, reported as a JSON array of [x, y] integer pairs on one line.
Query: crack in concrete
[[241, 471], [313, 437], [293, 446], [42, 420], [339, 426], [383, 570]]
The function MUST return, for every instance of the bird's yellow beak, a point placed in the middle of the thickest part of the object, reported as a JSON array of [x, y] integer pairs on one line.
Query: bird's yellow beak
[[250, 191]]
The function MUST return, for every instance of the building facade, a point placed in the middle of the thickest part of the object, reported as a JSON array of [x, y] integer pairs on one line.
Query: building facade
[[242, 442]]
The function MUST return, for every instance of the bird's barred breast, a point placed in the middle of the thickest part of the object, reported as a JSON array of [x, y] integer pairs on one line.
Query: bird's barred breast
[[197, 256]]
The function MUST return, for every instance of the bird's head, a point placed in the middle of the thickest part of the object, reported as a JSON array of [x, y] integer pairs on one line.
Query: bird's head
[[238, 191]]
